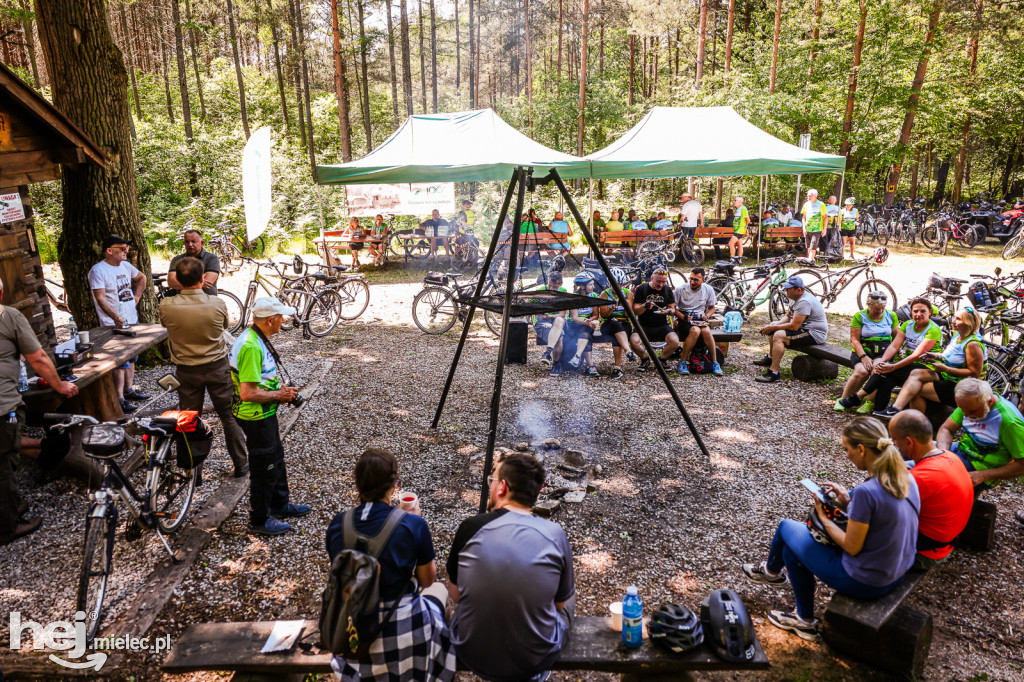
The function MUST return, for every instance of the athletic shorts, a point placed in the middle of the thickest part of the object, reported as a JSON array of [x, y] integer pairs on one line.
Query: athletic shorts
[[812, 240], [128, 365], [657, 334], [800, 338], [613, 326], [739, 235], [848, 233], [945, 390]]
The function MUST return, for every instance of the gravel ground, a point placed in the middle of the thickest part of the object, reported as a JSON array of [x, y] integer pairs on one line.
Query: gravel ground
[[663, 517]]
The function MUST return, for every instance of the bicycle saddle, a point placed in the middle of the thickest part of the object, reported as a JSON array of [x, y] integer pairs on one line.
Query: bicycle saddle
[[453, 274], [320, 276]]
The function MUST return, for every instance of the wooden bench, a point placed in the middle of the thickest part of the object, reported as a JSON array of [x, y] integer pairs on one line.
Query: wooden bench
[[592, 645], [820, 361], [97, 396], [776, 235], [333, 242], [633, 237], [553, 243]]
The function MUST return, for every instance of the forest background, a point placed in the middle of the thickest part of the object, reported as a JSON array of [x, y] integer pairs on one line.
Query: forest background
[[923, 96]]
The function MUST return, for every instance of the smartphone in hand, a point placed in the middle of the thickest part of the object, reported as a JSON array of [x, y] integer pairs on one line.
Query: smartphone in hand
[[814, 488]]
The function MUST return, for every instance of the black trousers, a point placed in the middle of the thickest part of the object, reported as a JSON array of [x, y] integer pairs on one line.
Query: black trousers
[[884, 384], [268, 482], [213, 378], [10, 445]]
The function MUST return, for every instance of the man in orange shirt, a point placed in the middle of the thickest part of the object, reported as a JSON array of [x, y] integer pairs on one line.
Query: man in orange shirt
[[947, 494]]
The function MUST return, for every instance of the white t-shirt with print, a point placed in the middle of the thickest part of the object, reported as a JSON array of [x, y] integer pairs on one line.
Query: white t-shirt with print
[[691, 209], [116, 281]]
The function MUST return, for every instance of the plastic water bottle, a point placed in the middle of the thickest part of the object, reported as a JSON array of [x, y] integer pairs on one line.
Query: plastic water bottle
[[632, 618], [22, 377], [73, 330], [733, 321], [122, 312]]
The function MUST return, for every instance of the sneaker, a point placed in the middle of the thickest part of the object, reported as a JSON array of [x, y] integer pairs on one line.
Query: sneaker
[[838, 406], [631, 356], [556, 370], [617, 373], [592, 372], [133, 394], [545, 358], [794, 623], [270, 527], [759, 573], [769, 377], [645, 364], [291, 510], [766, 361], [867, 408], [716, 369], [677, 353], [27, 527], [848, 403], [128, 407], [575, 362], [682, 368], [887, 413]]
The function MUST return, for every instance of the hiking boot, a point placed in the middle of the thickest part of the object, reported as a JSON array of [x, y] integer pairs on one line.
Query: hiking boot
[[270, 527], [575, 362], [766, 361], [682, 368], [291, 510], [556, 370], [128, 407], [545, 358], [887, 413], [617, 373], [716, 369], [759, 573], [867, 408], [794, 623], [631, 356], [24, 528], [645, 365], [769, 377]]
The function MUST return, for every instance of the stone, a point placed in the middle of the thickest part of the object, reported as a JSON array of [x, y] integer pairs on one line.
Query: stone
[[546, 508], [574, 496], [522, 447], [596, 470], [574, 457], [552, 443], [591, 488]]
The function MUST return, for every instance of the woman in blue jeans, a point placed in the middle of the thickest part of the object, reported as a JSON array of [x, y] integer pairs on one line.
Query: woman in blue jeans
[[870, 557]]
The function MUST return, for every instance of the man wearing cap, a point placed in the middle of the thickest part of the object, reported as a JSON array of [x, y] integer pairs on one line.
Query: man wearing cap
[[804, 325], [740, 220], [195, 322], [692, 215], [257, 394], [17, 339], [814, 222], [210, 261], [116, 290]]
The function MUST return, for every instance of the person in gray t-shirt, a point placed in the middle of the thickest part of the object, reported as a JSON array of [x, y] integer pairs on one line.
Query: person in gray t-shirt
[[695, 304], [211, 263], [510, 574], [804, 325]]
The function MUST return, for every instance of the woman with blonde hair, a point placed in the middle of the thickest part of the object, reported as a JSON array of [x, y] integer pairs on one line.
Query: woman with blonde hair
[[868, 557], [964, 356]]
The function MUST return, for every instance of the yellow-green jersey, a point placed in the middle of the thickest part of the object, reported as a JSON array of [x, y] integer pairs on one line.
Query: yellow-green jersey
[[740, 220], [470, 218], [814, 216], [618, 312]]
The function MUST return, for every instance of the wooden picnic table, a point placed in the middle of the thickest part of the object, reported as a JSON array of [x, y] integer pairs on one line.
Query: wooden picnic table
[[433, 241], [96, 395], [334, 240]]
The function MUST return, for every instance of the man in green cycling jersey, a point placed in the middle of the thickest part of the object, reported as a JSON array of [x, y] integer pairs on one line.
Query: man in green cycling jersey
[[740, 220], [814, 222]]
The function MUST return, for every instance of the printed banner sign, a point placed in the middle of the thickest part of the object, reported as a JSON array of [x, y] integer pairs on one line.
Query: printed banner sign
[[11, 208], [256, 183], [415, 199]]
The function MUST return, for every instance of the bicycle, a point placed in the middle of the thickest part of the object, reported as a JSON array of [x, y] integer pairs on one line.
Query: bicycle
[[234, 306], [945, 227], [754, 286], [316, 311], [437, 306], [350, 286], [828, 285], [233, 247], [161, 506]]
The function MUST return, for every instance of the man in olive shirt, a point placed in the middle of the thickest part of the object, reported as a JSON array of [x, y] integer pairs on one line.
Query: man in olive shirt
[[210, 261], [195, 324], [16, 339]]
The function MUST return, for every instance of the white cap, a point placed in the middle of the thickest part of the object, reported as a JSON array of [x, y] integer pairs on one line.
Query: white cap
[[268, 306]]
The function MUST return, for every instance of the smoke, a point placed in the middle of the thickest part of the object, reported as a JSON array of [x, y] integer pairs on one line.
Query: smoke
[[535, 419]]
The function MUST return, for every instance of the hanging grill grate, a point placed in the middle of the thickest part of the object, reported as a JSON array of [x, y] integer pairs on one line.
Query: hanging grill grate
[[538, 302]]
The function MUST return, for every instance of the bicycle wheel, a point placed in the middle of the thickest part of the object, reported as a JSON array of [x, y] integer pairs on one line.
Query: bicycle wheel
[[999, 378], [969, 240], [778, 305], [930, 237], [876, 285], [230, 258], [719, 283], [691, 252], [417, 249], [676, 278], [434, 310], [813, 282], [96, 561], [253, 248], [170, 492], [323, 313], [1013, 248], [236, 316], [493, 322], [355, 295], [732, 295]]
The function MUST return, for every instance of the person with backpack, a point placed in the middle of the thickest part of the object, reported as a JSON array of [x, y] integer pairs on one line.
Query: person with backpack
[[402, 635], [695, 304]]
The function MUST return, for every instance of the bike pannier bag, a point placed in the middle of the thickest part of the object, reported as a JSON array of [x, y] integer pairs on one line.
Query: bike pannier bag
[[982, 296], [350, 610], [700, 361], [192, 440], [518, 339]]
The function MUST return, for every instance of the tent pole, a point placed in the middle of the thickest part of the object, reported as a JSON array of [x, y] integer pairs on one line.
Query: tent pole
[[621, 298], [796, 202], [842, 181], [499, 371], [590, 200], [760, 212], [484, 269]]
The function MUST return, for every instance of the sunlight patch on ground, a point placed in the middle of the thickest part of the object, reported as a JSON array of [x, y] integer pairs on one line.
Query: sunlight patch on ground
[[620, 485], [683, 583], [732, 435], [725, 462], [595, 562]]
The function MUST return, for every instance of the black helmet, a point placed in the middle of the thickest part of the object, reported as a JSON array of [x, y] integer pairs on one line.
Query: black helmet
[[676, 627], [817, 527], [727, 626], [557, 263]]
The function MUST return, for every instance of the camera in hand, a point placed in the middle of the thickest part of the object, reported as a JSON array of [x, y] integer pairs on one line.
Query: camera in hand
[[297, 401]]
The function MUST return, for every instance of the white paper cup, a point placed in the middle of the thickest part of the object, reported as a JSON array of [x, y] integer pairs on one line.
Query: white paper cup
[[616, 610], [408, 501], [83, 337]]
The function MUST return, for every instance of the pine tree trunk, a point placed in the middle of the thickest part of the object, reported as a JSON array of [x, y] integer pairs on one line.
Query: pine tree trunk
[[728, 40], [341, 87], [391, 64], [472, 75], [529, 63], [479, 24], [87, 73], [632, 69], [195, 64], [186, 106], [159, 26], [583, 80], [458, 51], [406, 58], [972, 51], [128, 54], [423, 61], [363, 46], [851, 91], [561, 24], [277, 68], [915, 96], [600, 44], [305, 86], [238, 68], [433, 55], [30, 43], [293, 59], [775, 42], [355, 64], [701, 40], [913, 176]]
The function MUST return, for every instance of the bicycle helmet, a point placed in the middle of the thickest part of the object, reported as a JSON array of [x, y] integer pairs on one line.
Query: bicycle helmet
[[583, 277], [557, 264], [727, 626], [850, 201], [620, 276], [817, 527], [881, 255], [676, 627]]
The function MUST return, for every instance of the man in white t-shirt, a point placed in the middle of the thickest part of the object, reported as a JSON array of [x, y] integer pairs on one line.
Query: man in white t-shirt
[[116, 289], [692, 215], [695, 304]]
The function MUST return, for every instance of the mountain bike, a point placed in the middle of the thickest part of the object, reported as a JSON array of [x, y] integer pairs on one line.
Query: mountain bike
[[159, 505], [438, 306], [350, 286], [316, 311], [233, 247], [753, 286], [827, 285], [231, 301]]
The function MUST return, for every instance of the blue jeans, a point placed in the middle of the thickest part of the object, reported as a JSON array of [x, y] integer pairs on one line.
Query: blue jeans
[[969, 465], [805, 559]]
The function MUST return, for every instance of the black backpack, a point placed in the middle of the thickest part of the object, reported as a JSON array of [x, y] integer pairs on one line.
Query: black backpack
[[700, 361], [349, 621]]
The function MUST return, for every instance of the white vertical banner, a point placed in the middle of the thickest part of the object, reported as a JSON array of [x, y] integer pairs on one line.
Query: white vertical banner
[[256, 183]]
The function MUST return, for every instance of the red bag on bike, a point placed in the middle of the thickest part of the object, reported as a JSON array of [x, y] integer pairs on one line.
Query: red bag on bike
[[193, 440]]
